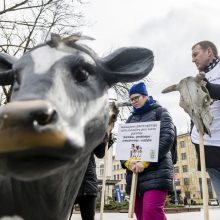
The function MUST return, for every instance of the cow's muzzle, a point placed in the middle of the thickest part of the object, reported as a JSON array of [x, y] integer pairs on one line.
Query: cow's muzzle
[[28, 124]]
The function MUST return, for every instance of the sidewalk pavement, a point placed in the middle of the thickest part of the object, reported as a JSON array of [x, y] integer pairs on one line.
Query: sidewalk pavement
[[214, 214]]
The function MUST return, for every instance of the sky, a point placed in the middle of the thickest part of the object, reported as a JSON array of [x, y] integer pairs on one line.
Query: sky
[[168, 27]]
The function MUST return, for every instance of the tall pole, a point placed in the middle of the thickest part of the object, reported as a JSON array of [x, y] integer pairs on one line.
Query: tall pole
[[104, 183], [132, 195], [204, 181], [175, 192]]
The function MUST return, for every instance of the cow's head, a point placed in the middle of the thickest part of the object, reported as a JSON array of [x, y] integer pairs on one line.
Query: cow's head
[[58, 111], [113, 114], [195, 100]]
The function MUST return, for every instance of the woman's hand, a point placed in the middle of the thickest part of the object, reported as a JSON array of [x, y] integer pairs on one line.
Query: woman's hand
[[132, 165], [139, 167], [136, 166]]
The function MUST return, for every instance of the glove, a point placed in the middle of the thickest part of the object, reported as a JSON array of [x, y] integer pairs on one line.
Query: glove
[[145, 164]]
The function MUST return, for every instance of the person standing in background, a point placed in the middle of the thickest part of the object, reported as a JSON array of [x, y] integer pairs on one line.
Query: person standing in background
[[155, 179], [88, 191], [205, 56]]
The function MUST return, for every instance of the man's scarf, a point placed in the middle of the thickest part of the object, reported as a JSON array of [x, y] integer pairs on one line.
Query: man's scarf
[[211, 65]]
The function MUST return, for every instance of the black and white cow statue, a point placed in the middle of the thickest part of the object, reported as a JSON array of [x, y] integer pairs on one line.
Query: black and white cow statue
[[57, 115]]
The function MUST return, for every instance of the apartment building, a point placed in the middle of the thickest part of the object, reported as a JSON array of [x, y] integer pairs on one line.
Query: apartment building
[[117, 176], [188, 179]]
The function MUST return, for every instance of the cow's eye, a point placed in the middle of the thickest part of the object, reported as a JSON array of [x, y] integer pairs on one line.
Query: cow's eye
[[81, 75]]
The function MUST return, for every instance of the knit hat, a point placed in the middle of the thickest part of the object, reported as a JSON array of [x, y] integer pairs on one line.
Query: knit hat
[[139, 88]]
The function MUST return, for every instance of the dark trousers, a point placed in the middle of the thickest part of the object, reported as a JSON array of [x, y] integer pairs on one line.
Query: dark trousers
[[87, 206]]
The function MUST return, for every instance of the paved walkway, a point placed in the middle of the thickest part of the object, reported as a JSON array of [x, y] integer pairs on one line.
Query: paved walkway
[[214, 214]]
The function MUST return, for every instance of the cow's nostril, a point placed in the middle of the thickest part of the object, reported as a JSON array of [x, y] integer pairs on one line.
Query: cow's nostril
[[45, 118]]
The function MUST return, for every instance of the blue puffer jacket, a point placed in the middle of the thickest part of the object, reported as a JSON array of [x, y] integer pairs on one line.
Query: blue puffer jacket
[[159, 175]]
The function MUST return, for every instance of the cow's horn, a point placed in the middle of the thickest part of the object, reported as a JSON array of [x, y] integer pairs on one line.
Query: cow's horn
[[55, 39], [171, 88], [121, 104], [76, 37]]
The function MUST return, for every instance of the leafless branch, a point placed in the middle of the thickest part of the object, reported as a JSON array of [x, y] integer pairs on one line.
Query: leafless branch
[[14, 7], [34, 6], [32, 30]]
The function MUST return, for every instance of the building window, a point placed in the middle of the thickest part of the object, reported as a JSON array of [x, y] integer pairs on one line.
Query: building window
[[182, 144], [183, 156], [200, 186], [101, 171], [176, 169], [118, 167], [118, 177], [177, 181], [186, 181], [185, 168], [122, 176], [210, 189], [114, 177], [187, 194]]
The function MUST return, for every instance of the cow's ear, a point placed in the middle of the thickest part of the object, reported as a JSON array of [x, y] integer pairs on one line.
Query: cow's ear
[[6, 72], [127, 65]]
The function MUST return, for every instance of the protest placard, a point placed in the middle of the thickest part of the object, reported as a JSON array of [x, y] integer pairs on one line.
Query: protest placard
[[139, 141]]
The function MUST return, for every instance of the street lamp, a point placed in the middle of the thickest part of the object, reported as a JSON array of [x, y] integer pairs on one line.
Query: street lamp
[[175, 192]]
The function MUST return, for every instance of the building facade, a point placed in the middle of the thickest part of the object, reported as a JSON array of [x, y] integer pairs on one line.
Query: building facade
[[187, 178]]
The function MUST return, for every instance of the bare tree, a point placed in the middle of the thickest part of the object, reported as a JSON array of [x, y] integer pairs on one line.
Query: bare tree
[[25, 23], [11, 7]]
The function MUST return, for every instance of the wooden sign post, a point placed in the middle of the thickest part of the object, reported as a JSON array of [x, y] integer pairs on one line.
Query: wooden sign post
[[204, 181], [132, 195]]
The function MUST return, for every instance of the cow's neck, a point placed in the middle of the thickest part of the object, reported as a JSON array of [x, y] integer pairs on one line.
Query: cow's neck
[[50, 198]]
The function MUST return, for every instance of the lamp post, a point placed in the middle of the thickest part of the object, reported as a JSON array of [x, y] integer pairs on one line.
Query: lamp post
[[175, 192]]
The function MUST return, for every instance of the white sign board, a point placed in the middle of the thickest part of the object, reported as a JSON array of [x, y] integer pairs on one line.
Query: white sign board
[[139, 141]]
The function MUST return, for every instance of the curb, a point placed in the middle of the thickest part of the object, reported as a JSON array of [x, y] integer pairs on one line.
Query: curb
[[167, 210], [179, 210]]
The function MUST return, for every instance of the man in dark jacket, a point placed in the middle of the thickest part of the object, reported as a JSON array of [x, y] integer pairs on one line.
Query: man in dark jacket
[[88, 191], [87, 194], [155, 179]]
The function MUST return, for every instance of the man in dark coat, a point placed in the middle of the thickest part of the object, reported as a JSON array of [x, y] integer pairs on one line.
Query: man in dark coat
[[87, 194], [155, 179], [88, 191]]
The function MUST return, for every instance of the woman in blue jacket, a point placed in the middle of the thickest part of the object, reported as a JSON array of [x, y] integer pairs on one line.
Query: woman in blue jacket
[[155, 179]]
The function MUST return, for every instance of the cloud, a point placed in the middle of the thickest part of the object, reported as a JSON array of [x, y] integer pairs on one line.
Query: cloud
[[171, 38], [169, 28]]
